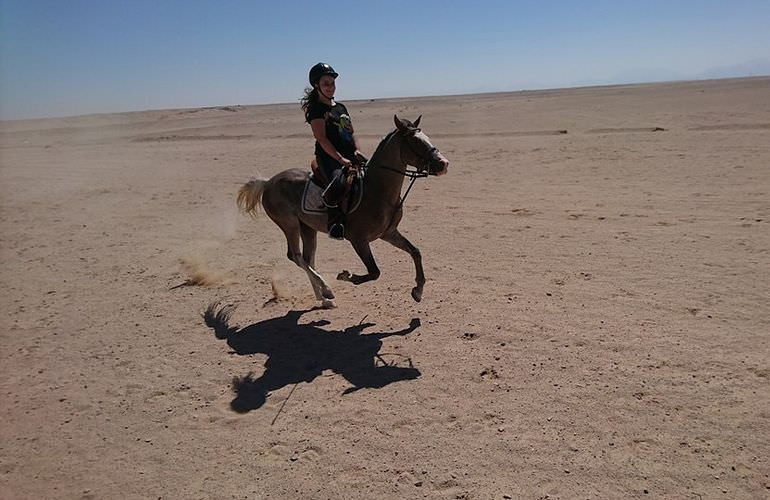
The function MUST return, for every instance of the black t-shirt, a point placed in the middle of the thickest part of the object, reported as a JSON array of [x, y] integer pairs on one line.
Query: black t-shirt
[[339, 129]]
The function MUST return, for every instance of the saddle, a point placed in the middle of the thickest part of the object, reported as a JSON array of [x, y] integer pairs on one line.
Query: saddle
[[320, 194]]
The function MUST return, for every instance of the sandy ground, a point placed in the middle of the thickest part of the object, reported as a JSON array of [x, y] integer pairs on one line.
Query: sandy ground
[[595, 322]]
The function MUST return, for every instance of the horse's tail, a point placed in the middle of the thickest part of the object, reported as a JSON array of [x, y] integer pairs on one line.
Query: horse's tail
[[250, 195]]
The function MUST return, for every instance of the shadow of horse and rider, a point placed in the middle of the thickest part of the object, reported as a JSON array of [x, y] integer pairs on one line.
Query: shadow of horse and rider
[[300, 352]]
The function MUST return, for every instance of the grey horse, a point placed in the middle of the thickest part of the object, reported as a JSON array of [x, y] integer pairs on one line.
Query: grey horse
[[377, 216]]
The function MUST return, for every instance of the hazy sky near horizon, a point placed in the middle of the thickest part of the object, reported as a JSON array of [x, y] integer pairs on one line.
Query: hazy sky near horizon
[[88, 56]]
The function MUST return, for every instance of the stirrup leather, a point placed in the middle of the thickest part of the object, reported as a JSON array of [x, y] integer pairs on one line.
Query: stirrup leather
[[334, 193]]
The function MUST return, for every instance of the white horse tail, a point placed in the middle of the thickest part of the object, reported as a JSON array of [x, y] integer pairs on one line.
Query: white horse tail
[[250, 195]]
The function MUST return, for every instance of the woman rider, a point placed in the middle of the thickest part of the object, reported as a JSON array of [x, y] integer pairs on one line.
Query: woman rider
[[336, 146]]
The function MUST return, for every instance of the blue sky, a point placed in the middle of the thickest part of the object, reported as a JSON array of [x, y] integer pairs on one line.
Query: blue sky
[[72, 57]]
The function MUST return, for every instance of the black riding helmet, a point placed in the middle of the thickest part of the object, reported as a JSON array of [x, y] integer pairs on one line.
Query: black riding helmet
[[319, 70]]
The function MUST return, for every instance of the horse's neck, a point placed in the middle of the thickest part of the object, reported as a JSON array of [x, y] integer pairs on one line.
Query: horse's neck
[[384, 181]]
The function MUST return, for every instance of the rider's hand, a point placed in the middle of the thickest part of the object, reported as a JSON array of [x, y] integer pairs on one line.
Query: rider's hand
[[360, 158], [345, 162]]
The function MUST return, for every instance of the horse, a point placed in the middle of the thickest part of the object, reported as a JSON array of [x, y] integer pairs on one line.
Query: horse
[[377, 215]]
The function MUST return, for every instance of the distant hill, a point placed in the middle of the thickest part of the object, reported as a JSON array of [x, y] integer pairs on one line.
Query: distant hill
[[754, 67]]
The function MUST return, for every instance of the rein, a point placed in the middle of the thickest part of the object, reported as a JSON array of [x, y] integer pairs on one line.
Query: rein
[[412, 174]]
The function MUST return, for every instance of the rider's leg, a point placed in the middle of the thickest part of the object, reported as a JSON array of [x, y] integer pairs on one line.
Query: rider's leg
[[332, 197], [332, 194]]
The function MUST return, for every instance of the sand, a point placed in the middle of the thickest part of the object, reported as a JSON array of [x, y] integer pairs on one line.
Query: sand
[[594, 325]]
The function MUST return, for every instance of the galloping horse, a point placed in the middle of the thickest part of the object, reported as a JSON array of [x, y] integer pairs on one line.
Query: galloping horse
[[377, 216]]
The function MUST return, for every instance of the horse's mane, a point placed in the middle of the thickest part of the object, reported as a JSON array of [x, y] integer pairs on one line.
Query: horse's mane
[[381, 146]]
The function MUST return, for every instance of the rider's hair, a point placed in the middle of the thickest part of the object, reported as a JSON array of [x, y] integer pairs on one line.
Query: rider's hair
[[310, 97]]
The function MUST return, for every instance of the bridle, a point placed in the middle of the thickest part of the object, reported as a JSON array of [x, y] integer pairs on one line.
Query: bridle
[[419, 171]]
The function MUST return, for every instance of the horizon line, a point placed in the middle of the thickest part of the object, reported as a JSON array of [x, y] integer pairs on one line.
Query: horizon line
[[410, 97]]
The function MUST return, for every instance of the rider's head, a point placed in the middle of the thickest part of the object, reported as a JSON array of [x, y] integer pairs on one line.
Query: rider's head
[[322, 77]]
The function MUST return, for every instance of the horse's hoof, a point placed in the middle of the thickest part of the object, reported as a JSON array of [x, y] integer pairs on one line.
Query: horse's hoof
[[416, 294], [344, 276], [327, 294], [328, 304]]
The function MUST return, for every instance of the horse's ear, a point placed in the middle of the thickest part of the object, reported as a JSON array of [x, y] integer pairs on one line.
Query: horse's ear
[[417, 121], [400, 124]]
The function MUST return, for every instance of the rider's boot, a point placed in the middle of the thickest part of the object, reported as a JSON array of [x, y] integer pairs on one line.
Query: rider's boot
[[336, 225]]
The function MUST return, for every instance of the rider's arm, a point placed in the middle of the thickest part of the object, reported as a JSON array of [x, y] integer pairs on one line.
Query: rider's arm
[[355, 143], [319, 132], [359, 155]]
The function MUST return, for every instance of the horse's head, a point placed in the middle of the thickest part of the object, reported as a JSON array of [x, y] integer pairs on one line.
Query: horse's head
[[419, 151]]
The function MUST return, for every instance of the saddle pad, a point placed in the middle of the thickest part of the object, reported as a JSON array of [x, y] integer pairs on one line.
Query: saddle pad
[[313, 204], [311, 199]]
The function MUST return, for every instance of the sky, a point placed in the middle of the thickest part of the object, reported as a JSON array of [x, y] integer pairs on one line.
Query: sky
[[60, 58]]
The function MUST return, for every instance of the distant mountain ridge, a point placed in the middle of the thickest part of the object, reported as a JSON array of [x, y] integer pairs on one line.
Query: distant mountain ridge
[[754, 67]]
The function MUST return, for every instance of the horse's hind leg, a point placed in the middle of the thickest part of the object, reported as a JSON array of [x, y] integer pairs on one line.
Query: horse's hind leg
[[365, 253], [309, 243], [320, 288], [399, 241]]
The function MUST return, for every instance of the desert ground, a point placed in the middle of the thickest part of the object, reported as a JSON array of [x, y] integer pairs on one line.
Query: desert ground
[[595, 322]]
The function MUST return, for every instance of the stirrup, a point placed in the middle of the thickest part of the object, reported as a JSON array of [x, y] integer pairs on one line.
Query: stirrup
[[329, 204], [337, 231]]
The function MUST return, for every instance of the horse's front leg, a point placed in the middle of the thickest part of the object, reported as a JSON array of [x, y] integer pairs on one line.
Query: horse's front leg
[[365, 253], [399, 241]]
